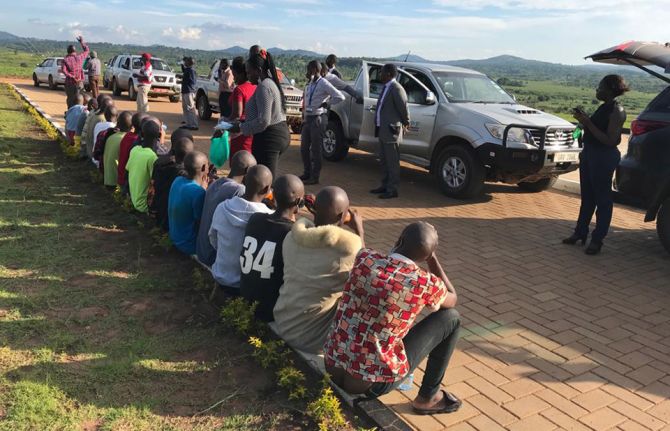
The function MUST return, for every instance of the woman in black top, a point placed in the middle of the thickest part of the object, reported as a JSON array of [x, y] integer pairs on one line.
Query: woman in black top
[[598, 161]]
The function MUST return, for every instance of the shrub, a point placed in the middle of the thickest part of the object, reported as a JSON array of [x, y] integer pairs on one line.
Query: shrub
[[326, 411]]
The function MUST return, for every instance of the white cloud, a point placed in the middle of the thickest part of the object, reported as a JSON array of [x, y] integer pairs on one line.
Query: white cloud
[[189, 33]]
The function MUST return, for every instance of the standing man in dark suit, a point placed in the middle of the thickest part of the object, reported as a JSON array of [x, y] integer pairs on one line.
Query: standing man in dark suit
[[391, 120], [331, 62]]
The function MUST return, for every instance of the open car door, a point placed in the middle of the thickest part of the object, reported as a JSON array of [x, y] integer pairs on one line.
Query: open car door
[[638, 54]]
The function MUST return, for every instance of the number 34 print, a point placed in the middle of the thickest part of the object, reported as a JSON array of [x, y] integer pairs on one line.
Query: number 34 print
[[261, 261]]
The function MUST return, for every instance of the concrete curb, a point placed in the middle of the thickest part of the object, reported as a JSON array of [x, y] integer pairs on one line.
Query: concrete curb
[[49, 118], [568, 186]]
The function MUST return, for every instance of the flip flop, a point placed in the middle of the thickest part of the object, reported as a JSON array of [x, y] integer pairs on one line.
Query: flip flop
[[449, 405]]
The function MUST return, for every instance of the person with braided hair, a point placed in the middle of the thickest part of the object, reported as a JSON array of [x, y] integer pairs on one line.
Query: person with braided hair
[[265, 112]]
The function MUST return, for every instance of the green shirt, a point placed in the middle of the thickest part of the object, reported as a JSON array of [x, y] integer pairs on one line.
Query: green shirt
[[110, 158], [140, 166]]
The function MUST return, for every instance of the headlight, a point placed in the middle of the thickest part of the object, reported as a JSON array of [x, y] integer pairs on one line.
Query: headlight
[[515, 134]]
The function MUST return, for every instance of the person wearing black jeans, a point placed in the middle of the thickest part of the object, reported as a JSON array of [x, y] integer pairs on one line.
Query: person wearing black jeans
[[265, 113], [373, 346], [598, 161]]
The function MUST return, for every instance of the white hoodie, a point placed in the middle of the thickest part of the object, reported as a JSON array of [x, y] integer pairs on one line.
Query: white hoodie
[[227, 235]]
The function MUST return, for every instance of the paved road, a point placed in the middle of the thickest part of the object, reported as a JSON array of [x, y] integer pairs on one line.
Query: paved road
[[552, 339]]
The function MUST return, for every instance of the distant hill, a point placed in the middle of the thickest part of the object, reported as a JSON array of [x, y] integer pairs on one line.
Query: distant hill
[[4, 36]]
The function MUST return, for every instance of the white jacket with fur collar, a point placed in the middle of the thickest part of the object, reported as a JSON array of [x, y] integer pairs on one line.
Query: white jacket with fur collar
[[317, 261]]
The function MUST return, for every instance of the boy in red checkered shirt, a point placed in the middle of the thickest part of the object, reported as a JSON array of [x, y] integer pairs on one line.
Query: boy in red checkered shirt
[[373, 346]]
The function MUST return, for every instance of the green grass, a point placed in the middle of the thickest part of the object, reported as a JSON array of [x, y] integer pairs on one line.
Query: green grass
[[18, 63], [99, 327]]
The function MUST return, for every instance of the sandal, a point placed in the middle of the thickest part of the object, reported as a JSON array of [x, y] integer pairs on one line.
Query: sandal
[[449, 404]]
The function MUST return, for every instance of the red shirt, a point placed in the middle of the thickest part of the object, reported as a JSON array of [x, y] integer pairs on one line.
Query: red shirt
[[381, 300], [124, 153], [241, 93], [73, 66]]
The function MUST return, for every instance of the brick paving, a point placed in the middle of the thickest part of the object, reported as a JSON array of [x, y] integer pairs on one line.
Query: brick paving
[[551, 338]]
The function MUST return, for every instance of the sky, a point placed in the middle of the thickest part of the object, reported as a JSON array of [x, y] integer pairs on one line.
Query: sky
[[559, 31]]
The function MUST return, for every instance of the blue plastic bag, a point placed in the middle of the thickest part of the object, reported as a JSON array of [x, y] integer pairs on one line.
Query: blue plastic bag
[[219, 149]]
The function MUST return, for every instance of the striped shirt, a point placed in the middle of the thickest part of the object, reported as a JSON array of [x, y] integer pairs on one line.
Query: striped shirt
[[263, 109]]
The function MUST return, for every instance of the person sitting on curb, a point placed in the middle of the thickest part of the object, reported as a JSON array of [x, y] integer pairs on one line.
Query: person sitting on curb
[[92, 120], [166, 169], [92, 106], [127, 144], [111, 146], [261, 260], [73, 115], [219, 191], [141, 164], [100, 135], [374, 343], [187, 195], [317, 259], [229, 223]]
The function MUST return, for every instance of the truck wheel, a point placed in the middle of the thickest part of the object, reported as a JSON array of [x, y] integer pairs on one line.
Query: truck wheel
[[175, 98], [52, 84], [335, 146], [202, 105], [132, 93], [538, 186], [663, 224], [460, 174], [36, 82], [115, 88]]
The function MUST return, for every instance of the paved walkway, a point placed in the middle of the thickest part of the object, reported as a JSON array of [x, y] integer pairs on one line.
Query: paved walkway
[[552, 339]]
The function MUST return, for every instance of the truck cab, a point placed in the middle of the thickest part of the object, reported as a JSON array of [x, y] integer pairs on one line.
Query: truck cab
[[121, 77], [464, 128]]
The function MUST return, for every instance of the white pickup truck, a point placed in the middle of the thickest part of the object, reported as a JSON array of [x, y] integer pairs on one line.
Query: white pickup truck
[[207, 98], [118, 77], [465, 129]]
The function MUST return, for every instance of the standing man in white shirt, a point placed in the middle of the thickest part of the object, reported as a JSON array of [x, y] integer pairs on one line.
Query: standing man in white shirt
[[391, 120], [319, 94], [144, 79]]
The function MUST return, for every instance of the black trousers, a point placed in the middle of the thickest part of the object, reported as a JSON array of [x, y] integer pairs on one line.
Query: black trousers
[[389, 156], [596, 169], [224, 104], [311, 141], [434, 337], [270, 144]]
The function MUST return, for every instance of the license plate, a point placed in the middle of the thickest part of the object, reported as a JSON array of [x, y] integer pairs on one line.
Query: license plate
[[159, 90], [565, 157]]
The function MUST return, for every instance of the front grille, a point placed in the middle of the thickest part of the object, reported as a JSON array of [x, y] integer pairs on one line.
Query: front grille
[[161, 78], [297, 99], [555, 137]]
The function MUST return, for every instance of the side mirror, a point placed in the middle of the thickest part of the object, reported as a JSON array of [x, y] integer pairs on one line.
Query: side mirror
[[430, 98], [292, 81]]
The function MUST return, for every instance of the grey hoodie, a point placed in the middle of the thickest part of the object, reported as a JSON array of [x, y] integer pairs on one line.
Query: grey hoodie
[[227, 235]]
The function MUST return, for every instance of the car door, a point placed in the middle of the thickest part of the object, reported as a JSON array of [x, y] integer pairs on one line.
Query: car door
[[422, 105], [125, 73], [44, 70], [39, 71], [213, 85], [363, 115]]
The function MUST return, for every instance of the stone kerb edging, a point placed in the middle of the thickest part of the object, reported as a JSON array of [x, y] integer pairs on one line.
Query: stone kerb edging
[[49, 118]]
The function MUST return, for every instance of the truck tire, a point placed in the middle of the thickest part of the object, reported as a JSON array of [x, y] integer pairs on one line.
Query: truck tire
[[132, 93], [175, 99], [202, 105], [36, 81], [52, 84], [116, 91], [334, 145], [538, 186], [459, 172], [663, 224]]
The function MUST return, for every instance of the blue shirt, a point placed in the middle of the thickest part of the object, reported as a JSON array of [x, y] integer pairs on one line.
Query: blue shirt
[[72, 117], [184, 212]]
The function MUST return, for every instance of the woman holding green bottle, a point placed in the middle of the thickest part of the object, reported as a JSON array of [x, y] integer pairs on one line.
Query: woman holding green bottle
[[598, 161]]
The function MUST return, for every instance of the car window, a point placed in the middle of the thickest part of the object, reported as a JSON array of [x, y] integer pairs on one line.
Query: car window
[[376, 84], [48, 63], [415, 92], [464, 87], [59, 62], [422, 78], [660, 103], [126, 63], [137, 63]]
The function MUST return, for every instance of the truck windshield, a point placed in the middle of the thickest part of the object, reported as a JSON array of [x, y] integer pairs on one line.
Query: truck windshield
[[156, 64], [464, 87]]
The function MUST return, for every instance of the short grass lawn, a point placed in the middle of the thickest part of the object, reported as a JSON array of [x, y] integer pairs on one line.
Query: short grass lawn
[[99, 327]]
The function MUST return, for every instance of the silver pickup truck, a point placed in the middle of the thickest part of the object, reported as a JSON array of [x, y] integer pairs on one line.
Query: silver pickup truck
[[207, 98], [465, 129], [119, 77]]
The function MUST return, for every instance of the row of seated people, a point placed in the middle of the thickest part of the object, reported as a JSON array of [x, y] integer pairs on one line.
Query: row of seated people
[[312, 276]]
